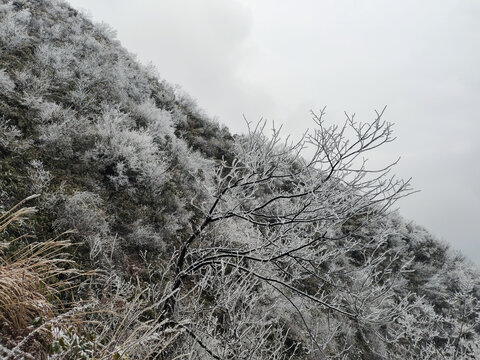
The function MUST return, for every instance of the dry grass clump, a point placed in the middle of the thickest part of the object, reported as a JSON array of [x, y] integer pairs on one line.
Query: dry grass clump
[[13, 215], [29, 284], [31, 278], [36, 322]]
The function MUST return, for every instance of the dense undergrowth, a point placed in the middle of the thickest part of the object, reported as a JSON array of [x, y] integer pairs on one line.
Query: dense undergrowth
[[124, 166]]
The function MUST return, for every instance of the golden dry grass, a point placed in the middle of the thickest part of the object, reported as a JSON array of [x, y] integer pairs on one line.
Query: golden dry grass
[[13, 215], [31, 278]]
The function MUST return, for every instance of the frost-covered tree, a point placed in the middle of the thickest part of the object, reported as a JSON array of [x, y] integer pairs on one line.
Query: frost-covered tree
[[293, 225]]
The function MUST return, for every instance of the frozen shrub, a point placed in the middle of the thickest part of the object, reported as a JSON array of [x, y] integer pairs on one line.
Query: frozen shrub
[[188, 102], [39, 177], [11, 137], [13, 26], [119, 142], [50, 112], [131, 85], [9, 134], [59, 59], [80, 95], [179, 118], [59, 128], [106, 30], [145, 237], [191, 161], [82, 212], [33, 86], [158, 122], [119, 179], [6, 84]]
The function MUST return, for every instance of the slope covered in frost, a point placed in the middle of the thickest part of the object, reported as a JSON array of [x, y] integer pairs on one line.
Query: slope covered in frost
[[187, 242]]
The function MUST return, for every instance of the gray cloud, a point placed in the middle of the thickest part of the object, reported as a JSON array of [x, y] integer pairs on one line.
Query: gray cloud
[[279, 59]]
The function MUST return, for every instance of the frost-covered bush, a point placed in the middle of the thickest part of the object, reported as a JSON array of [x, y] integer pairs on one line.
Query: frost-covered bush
[[145, 237], [80, 95], [6, 83], [11, 137], [60, 60], [156, 121], [9, 134], [82, 212], [13, 25], [130, 85], [188, 102], [119, 177], [33, 86], [39, 177], [59, 128], [106, 30], [119, 142]]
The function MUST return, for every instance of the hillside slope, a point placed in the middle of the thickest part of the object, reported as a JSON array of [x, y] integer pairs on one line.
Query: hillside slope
[[188, 242]]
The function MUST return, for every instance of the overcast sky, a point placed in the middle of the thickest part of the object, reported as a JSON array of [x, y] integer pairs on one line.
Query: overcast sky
[[279, 59]]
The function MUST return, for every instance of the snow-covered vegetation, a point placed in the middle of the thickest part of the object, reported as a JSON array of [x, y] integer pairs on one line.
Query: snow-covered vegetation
[[161, 235]]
